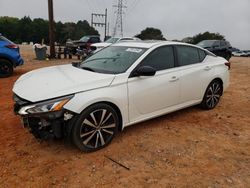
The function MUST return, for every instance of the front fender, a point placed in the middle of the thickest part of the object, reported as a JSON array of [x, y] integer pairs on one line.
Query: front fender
[[116, 95]]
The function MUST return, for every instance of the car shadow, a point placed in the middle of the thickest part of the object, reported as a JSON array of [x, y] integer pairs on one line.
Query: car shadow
[[157, 121]]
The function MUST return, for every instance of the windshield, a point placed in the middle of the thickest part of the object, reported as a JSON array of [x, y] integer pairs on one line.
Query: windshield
[[113, 60], [84, 39], [112, 40], [206, 43]]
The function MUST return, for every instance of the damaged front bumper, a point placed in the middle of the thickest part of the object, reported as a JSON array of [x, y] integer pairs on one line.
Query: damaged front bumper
[[45, 125]]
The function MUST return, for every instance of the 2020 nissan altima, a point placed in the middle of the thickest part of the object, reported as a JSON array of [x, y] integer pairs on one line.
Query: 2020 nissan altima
[[121, 85]]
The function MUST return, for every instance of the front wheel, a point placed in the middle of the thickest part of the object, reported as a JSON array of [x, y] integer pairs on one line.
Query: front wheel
[[95, 127], [212, 95], [6, 68]]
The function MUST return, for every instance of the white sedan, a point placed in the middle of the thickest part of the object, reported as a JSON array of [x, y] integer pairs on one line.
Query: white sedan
[[121, 85], [98, 46]]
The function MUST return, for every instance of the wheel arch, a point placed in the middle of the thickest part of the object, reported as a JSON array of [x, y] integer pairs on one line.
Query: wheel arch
[[7, 59], [215, 79], [221, 82], [116, 108]]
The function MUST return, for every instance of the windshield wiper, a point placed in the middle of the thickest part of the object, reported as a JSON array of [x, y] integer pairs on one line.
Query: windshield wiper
[[100, 59], [88, 68]]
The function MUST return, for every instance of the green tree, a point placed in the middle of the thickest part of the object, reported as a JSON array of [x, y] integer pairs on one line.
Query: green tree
[[25, 30], [28, 30], [9, 27], [151, 33], [39, 31]]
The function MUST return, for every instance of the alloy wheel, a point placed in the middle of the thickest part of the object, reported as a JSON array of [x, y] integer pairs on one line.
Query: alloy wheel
[[98, 128], [213, 94]]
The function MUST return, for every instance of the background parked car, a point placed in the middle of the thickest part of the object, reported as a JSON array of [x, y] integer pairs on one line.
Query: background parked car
[[9, 57], [247, 52], [84, 43], [218, 47], [99, 46], [239, 54]]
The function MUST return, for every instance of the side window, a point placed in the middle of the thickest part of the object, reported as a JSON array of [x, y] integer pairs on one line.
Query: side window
[[94, 40], [223, 43], [162, 58], [202, 55], [187, 55], [216, 44]]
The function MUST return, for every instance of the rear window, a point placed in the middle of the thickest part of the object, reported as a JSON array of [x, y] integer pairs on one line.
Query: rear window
[[187, 55], [223, 43], [94, 40]]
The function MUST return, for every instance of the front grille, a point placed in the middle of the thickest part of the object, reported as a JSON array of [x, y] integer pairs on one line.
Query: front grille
[[19, 103]]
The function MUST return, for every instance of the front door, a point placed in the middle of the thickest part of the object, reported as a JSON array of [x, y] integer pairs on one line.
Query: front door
[[151, 95]]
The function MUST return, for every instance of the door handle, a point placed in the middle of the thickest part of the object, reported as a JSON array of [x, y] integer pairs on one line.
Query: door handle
[[207, 68], [174, 79]]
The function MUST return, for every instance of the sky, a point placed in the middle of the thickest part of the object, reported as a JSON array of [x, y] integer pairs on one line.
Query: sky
[[177, 19]]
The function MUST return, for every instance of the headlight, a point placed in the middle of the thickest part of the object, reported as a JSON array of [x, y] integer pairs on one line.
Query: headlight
[[47, 106]]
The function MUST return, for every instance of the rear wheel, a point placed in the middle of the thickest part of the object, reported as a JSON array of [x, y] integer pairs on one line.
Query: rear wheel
[[6, 68], [95, 127], [212, 95]]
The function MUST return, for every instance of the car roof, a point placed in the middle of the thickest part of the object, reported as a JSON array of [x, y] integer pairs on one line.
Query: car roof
[[150, 43]]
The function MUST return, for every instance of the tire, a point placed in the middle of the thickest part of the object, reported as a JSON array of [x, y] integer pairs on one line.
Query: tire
[[6, 68], [95, 127], [212, 95]]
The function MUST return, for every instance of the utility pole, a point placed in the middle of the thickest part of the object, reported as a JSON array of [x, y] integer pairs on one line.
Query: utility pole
[[51, 29], [102, 23], [118, 29], [105, 32]]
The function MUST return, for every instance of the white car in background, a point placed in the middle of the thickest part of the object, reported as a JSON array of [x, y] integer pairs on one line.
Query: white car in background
[[239, 54], [247, 52], [124, 84], [98, 46]]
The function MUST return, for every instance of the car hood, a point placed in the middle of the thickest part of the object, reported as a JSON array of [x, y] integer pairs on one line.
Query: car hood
[[75, 42], [101, 45], [56, 81]]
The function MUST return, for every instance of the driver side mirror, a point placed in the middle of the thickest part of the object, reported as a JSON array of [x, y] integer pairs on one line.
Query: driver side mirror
[[145, 71]]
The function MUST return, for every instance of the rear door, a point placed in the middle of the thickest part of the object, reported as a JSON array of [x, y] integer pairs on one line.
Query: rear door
[[196, 72]]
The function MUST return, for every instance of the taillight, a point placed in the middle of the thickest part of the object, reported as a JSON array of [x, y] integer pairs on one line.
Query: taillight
[[12, 46], [228, 64]]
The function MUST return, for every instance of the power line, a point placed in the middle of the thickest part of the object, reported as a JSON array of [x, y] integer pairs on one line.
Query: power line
[[102, 23], [93, 8], [118, 29], [133, 5]]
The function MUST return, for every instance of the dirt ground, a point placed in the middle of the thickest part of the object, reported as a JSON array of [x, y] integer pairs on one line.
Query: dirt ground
[[189, 148]]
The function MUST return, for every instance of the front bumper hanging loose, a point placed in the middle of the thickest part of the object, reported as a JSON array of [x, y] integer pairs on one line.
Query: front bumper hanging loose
[[44, 126]]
